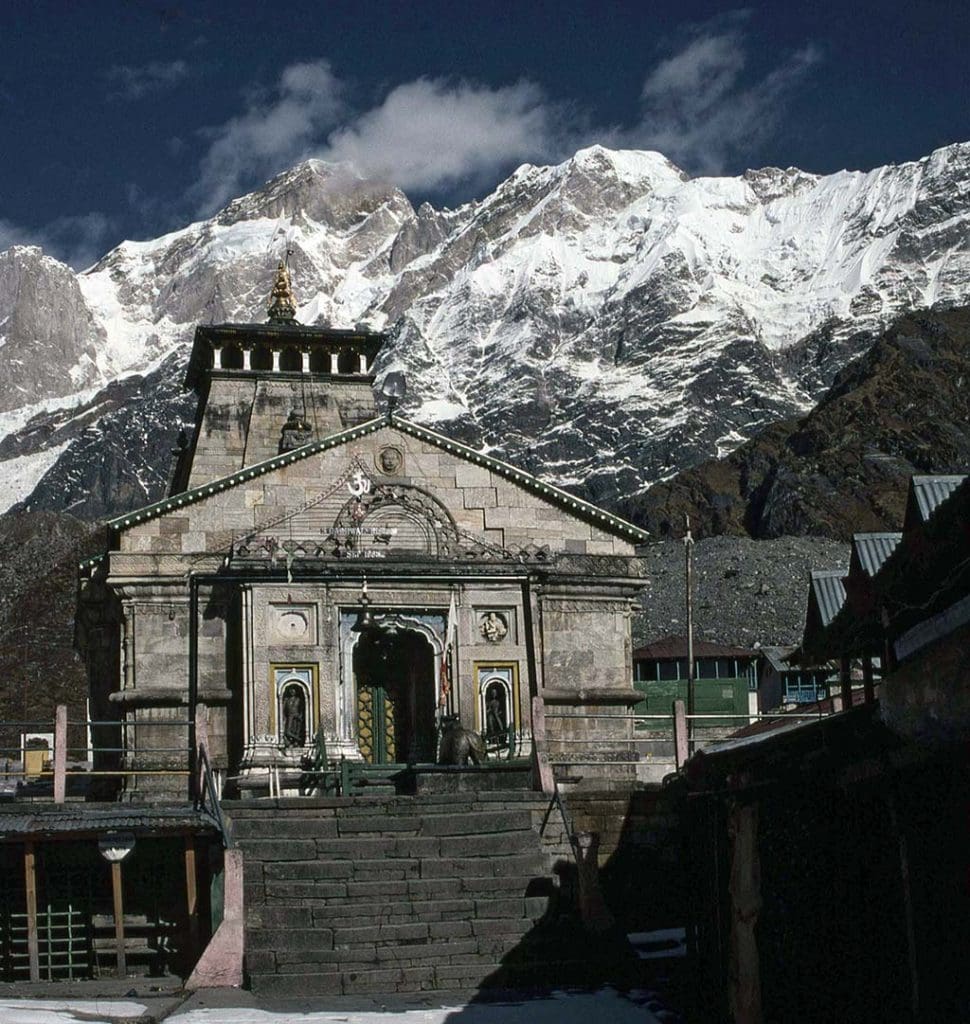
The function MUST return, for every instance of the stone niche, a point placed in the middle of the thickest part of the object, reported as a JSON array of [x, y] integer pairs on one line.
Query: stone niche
[[292, 624]]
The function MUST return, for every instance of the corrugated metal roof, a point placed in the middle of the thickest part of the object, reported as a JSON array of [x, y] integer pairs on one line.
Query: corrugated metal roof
[[51, 820], [932, 491], [676, 647], [873, 549], [776, 657], [828, 588]]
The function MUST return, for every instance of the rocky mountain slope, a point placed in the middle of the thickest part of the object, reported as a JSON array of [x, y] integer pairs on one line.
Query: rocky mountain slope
[[604, 323], [902, 408], [39, 553]]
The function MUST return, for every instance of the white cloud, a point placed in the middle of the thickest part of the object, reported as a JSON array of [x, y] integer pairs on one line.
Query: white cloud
[[78, 241], [700, 111], [432, 134], [271, 134], [699, 106], [134, 82]]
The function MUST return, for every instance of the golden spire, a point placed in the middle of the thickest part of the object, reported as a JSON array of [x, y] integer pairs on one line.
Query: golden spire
[[282, 306]]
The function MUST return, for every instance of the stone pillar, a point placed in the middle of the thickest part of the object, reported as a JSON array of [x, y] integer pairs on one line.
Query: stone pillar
[[247, 358], [276, 360], [128, 646], [334, 362], [306, 360], [249, 702], [217, 357], [362, 363]]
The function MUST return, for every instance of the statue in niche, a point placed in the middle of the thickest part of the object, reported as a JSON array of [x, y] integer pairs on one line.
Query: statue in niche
[[296, 432], [496, 716], [294, 717], [494, 627]]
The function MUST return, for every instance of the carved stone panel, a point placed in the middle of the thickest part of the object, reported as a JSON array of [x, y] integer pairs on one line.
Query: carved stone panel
[[496, 625], [292, 624]]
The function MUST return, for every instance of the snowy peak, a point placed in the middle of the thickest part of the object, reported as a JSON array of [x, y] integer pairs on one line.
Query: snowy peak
[[604, 321]]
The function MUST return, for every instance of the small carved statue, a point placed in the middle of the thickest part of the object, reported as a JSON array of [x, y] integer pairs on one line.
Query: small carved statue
[[494, 628], [294, 718], [459, 745], [495, 723]]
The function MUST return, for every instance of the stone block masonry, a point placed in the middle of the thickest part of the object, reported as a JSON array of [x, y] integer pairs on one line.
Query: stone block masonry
[[369, 894]]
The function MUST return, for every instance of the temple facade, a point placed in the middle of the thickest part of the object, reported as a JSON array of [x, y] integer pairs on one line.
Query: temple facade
[[325, 575]]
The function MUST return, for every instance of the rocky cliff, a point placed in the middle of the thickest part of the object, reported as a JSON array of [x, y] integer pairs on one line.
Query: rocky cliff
[[901, 408]]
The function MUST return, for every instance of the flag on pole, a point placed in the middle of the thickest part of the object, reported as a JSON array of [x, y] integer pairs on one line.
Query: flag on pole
[[451, 631]]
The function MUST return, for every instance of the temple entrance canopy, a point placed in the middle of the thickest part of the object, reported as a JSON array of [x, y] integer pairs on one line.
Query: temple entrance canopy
[[395, 686]]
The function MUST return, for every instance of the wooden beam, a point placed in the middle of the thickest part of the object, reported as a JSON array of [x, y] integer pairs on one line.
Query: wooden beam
[[681, 734], [867, 680], [119, 912], [845, 682], [30, 878], [60, 753], [191, 897]]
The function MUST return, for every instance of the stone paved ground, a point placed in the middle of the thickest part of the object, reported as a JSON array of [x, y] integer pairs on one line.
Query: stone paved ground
[[235, 1007]]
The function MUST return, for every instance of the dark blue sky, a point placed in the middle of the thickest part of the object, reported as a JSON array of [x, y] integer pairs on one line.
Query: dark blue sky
[[129, 119]]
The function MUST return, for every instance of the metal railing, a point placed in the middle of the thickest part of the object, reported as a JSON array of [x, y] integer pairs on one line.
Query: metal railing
[[681, 732], [109, 758]]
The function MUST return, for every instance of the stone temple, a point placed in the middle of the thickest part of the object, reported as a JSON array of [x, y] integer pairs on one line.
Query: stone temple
[[325, 576]]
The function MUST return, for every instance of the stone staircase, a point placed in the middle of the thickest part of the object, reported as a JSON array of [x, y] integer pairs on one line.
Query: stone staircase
[[388, 893]]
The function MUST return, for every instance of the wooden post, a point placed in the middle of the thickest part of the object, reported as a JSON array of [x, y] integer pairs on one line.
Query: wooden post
[[681, 750], [867, 681], [60, 753], [119, 911], [845, 682], [30, 879], [191, 898], [912, 961]]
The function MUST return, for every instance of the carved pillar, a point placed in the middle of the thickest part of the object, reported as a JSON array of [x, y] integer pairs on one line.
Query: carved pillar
[[128, 646], [334, 362], [276, 360], [249, 701], [362, 362], [217, 357], [247, 358], [306, 360]]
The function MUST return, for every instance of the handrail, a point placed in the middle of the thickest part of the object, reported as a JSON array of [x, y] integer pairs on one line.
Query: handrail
[[208, 789]]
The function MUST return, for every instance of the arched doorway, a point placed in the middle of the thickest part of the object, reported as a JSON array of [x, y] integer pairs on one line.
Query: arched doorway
[[394, 672]]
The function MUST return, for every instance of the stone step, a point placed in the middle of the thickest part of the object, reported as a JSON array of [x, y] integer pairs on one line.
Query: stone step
[[338, 892], [329, 833], [441, 803], [357, 848], [430, 908], [517, 858], [482, 972]]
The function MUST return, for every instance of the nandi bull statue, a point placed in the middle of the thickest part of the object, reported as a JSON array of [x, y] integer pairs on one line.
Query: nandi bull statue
[[459, 745]]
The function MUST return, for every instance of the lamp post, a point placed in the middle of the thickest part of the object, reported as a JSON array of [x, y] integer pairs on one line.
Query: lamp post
[[114, 848]]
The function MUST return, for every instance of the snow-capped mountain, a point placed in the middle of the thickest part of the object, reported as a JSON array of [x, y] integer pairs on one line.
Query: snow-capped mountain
[[604, 322]]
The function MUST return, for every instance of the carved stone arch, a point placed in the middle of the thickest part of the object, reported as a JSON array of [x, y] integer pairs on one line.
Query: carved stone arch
[[406, 517]]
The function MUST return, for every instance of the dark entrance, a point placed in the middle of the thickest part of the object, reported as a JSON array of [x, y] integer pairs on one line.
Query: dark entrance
[[395, 697]]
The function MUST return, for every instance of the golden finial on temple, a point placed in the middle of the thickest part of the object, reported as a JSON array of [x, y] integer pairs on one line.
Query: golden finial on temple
[[282, 306]]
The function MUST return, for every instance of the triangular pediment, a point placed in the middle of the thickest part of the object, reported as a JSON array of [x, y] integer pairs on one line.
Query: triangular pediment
[[554, 496]]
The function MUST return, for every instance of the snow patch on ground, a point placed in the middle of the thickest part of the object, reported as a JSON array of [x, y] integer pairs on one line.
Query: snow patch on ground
[[559, 1008], [66, 1011], [21, 476]]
